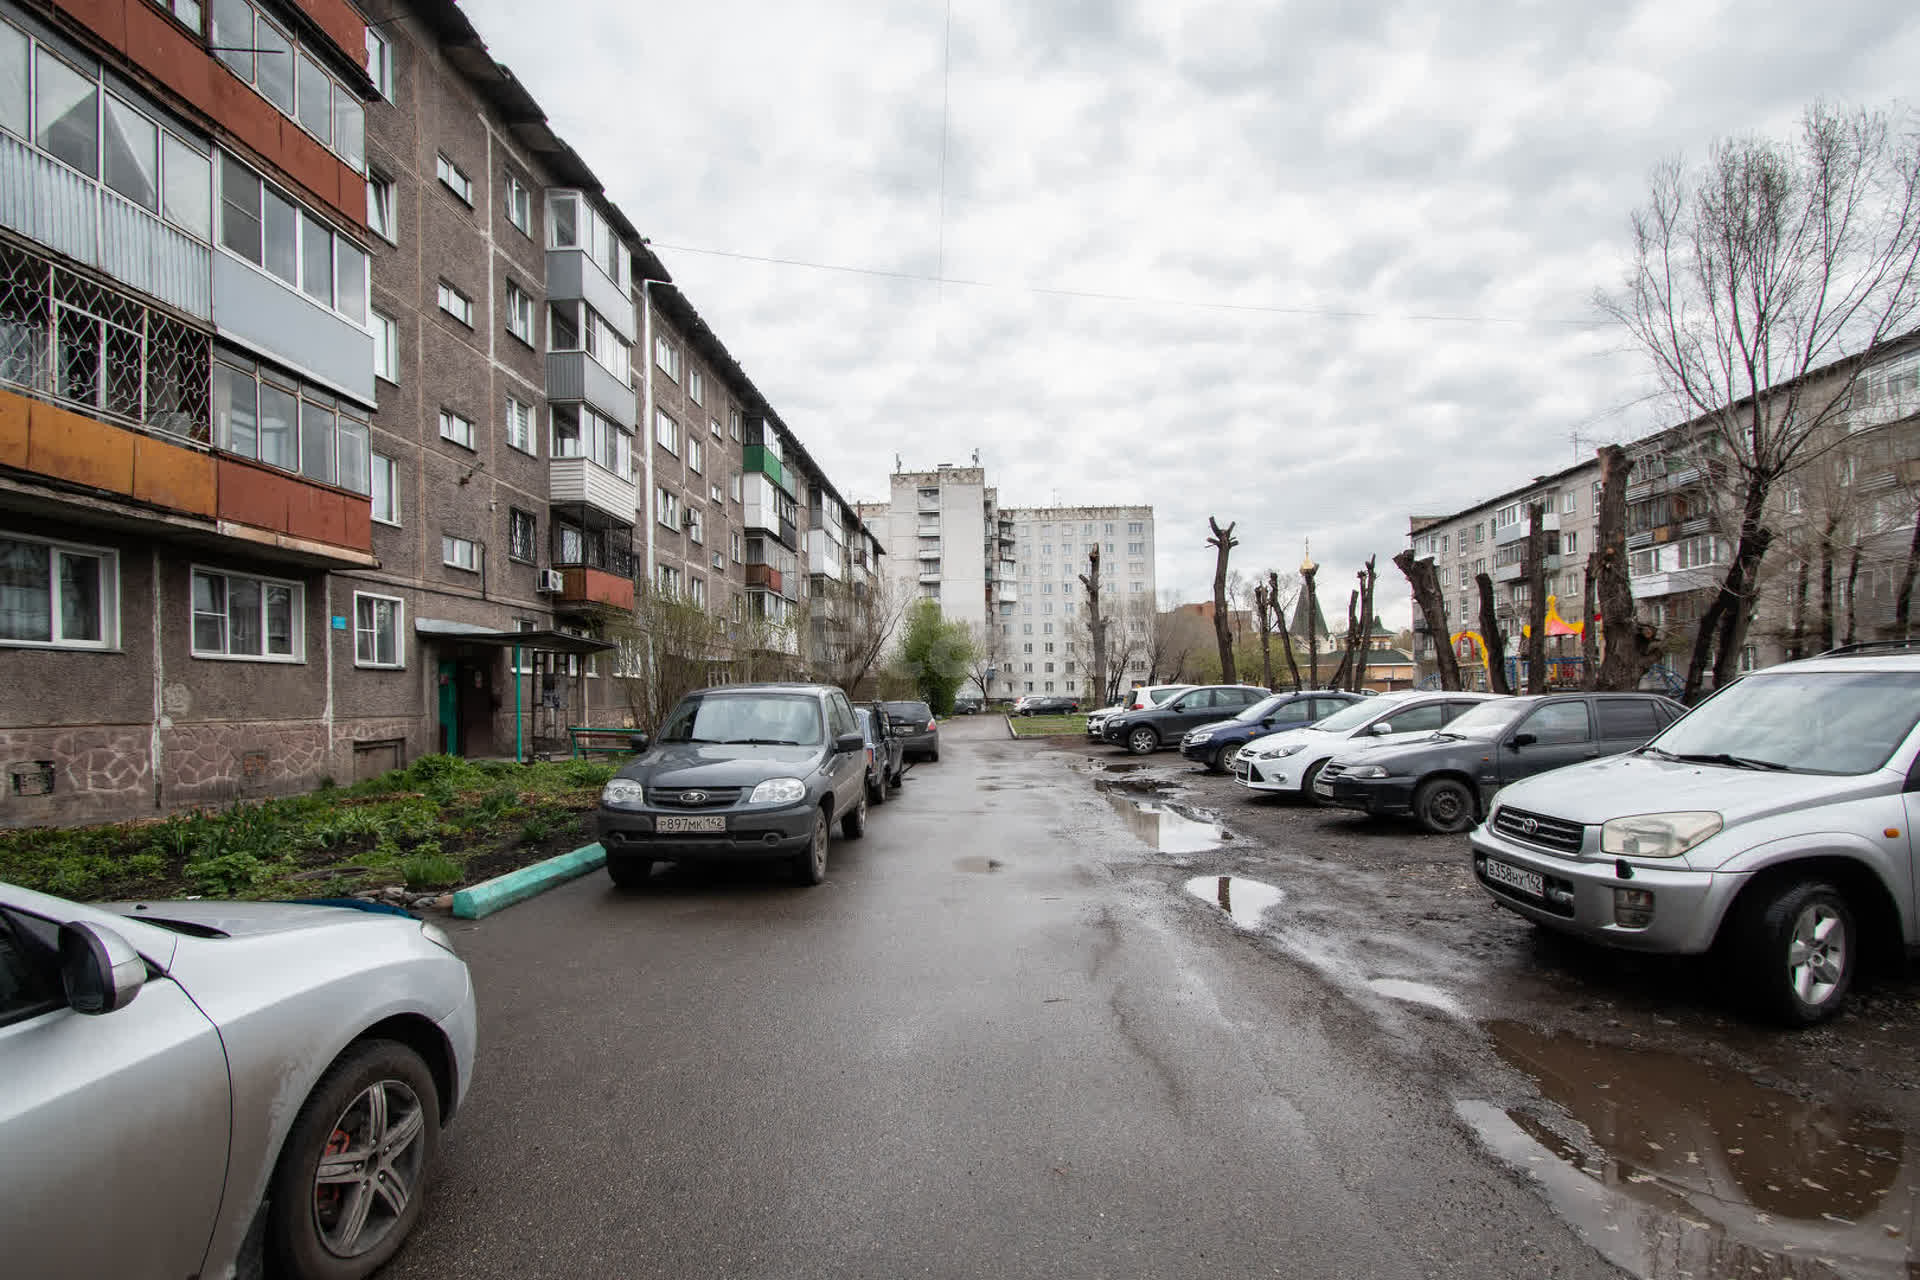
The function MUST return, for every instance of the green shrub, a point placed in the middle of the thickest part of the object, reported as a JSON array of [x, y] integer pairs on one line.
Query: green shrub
[[587, 773], [226, 874], [534, 830], [431, 871]]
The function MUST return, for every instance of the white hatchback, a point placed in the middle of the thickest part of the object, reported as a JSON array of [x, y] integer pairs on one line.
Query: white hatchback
[[1290, 760]]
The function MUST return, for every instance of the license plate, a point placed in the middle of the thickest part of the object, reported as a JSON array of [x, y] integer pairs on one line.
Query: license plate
[[1531, 883], [689, 824], [1323, 788]]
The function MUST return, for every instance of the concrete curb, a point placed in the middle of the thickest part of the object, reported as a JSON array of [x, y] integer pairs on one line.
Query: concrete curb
[[489, 896]]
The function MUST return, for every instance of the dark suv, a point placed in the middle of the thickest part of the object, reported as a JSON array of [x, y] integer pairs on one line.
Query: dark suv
[[1446, 781], [1216, 744], [749, 771], [1150, 729], [919, 731]]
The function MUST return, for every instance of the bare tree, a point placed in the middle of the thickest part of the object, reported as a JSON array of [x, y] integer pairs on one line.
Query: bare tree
[[1631, 646], [851, 624], [1368, 576], [1310, 605], [1589, 631], [667, 647], [1285, 628], [1492, 641], [988, 657], [1750, 273], [1223, 543], [1263, 620], [1425, 582], [1096, 622], [1536, 598]]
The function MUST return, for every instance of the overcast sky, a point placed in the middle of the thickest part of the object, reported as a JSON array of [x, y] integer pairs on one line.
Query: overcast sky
[[1346, 250]]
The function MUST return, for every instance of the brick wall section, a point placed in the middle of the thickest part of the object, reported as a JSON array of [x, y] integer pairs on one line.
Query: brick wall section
[[720, 464]]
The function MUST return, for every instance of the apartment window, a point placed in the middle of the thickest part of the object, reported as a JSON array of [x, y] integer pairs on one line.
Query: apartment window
[[460, 553], [1569, 543], [580, 432], [666, 507], [386, 348], [519, 205], [258, 51], [696, 525], [736, 547], [261, 413], [380, 209], [667, 578], [187, 11], [574, 223], [266, 227], [523, 535], [456, 304], [716, 493], [1569, 502], [1135, 588], [1136, 548], [667, 356], [713, 425], [386, 490], [380, 63], [733, 424], [56, 594], [520, 427], [456, 428], [376, 630], [236, 616], [453, 179], [693, 453], [520, 314], [1479, 533], [666, 433], [695, 386]]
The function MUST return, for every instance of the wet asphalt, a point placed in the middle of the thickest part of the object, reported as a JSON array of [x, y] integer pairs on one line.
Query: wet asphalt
[[1009, 1037]]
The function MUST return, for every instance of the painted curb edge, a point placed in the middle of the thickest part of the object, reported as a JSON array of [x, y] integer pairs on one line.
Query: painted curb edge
[[489, 896]]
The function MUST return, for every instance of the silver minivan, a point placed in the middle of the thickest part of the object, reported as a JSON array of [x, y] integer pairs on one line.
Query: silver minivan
[[1773, 822]]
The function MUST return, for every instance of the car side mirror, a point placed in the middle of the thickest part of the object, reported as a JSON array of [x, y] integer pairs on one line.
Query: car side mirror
[[638, 743], [1267, 723], [1380, 730], [849, 742], [1520, 740], [99, 969]]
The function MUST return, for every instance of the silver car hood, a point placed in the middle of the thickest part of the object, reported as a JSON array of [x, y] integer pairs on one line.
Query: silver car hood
[[1595, 791], [246, 919]]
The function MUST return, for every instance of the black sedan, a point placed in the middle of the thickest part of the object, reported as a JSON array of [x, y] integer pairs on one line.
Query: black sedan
[[1047, 704], [1217, 745]]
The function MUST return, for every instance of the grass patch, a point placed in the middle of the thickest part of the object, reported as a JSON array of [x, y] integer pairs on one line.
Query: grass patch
[[1047, 726], [428, 825]]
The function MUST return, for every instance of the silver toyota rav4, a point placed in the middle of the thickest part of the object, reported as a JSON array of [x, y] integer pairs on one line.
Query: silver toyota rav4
[[1774, 822]]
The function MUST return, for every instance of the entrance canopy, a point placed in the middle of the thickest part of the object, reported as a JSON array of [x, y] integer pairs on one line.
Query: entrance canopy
[[546, 641]]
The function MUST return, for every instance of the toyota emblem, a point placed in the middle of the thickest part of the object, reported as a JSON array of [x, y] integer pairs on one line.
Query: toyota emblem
[[694, 797], [1529, 825]]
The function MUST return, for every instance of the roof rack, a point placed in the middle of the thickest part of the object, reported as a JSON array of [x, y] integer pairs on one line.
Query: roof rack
[[1873, 646]]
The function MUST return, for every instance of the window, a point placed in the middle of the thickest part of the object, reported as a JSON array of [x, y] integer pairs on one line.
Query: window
[[386, 348], [460, 553], [733, 424], [696, 525], [1569, 501], [244, 617], [693, 453], [456, 304], [735, 546], [266, 57], [716, 493], [263, 225], [667, 578], [713, 424], [380, 210], [734, 487], [667, 356], [1559, 722], [1136, 548], [520, 314], [376, 630], [523, 535], [574, 326], [456, 428], [695, 387], [520, 427], [580, 432], [453, 179], [1628, 719], [261, 413], [667, 507], [386, 490], [380, 63], [519, 205], [1569, 544], [666, 433], [574, 223], [55, 594]]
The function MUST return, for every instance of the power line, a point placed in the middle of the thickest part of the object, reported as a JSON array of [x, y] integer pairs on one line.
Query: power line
[[1100, 296]]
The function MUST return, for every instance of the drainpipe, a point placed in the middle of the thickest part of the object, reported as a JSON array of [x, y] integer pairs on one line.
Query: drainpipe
[[519, 754], [643, 438]]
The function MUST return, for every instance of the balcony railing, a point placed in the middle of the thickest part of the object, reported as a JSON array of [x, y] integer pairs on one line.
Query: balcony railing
[[582, 585], [765, 577]]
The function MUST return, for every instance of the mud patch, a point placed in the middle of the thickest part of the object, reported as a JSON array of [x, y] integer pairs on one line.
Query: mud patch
[[1245, 901], [1166, 827], [1674, 1167]]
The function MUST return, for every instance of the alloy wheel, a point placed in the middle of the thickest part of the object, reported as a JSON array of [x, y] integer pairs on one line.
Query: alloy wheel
[[1817, 953], [370, 1169]]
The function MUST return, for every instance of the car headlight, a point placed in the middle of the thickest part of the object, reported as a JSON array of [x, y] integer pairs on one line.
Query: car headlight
[[1364, 771], [1657, 835], [1274, 753], [438, 937], [1199, 735], [779, 791], [623, 793]]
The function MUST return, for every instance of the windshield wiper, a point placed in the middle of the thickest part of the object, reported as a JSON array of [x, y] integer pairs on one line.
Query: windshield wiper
[[1662, 752], [760, 742], [1738, 762]]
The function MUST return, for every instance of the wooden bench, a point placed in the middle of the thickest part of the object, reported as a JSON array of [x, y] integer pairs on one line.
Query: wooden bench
[[589, 741]]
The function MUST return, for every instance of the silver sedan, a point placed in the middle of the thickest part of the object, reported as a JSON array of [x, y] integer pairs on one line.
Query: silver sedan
[[193, 1088]]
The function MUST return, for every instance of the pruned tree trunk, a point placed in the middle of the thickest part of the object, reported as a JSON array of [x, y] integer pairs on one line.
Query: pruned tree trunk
[[1716, 645], [1853, 581], [1286, 632], [1096, 622], [1826, 582], [1536, 598], [1368, 576], [1263, 618], [1631, 648], [1589, 632], [1343, 679], [1425, 582], [1223, 542], [1312, 607], [1903, 603], [1490, 637], [1801, 569]]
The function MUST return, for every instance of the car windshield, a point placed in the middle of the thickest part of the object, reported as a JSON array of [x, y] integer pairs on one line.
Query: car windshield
[[1845, 722], [768, 719], [1157, 696], [1355, 714], [910, 711], [1489, 719]]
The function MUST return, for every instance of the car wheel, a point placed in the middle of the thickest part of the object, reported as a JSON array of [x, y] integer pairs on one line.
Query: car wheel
[[853, 824], [811, 866], [1223, 759], [1796, 947], [935, 757], [1142, 741], [1307, 780], [352, 1177], [876, 791], [1444, 806], [629, 873]]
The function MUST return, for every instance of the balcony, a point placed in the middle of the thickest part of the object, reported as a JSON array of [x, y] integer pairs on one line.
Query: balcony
[[930, 575], [758, 457], [1670, 582], [585, 586], [824, 555], [578, 480], [1007, 592], [577, 376], [1518, 569], [766, 578], [928, 553], [573, 275], [1672, 481], [1517, 531]]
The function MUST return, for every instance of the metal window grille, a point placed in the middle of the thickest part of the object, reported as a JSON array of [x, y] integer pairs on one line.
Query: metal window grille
[[65, 338]]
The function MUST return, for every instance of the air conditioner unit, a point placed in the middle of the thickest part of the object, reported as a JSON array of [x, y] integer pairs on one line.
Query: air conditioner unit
[[551, 580]]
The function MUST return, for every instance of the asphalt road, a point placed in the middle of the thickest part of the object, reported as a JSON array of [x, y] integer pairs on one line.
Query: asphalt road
[[987, 1046]]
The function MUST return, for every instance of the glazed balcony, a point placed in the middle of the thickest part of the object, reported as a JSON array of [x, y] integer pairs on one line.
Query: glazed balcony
[[765, 577], [584, 586]]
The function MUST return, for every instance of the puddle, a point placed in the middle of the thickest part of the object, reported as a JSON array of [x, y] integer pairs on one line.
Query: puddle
[[979, 865], [1168, 828], [1691, 1170], [1245, 901], [1113, 766], [1416, 993]]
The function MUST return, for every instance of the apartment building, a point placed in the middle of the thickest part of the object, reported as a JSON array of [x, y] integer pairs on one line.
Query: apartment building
[[935, 528], [318, 406], [1491, 537], [1044, 640]]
